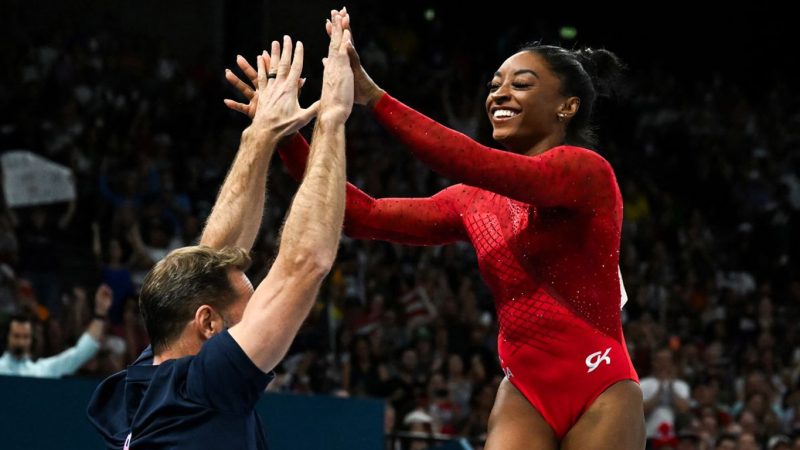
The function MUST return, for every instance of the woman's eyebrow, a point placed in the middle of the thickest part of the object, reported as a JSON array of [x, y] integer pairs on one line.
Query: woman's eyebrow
[[519, 72]]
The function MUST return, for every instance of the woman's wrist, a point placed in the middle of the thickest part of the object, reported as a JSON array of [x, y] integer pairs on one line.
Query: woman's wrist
[[375, 97]]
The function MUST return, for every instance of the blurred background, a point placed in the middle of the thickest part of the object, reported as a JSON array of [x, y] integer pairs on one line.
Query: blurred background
[[115, 141]]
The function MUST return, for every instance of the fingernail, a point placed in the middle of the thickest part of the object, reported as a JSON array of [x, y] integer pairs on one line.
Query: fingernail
[[239, 57]]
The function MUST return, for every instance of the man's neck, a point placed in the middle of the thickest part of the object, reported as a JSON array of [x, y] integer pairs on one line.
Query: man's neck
[[166, 356], [178, 350], [19, 358]]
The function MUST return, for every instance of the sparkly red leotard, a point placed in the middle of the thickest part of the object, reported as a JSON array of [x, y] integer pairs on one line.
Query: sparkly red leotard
[[546, 230]]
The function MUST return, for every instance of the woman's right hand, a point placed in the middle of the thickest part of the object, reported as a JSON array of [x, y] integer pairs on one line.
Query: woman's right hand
[[366, 91]]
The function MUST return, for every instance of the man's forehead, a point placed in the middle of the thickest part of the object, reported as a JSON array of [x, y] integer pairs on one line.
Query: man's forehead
[[20, 326]]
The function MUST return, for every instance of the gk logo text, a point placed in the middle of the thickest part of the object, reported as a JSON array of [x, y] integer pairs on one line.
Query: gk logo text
[[593, 361]]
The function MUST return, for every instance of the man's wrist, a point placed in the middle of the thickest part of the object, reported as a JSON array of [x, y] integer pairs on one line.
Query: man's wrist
[[259, 136], [333, 119]]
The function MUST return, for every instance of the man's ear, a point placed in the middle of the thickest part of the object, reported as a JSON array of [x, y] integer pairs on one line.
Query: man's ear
[[208, 322]]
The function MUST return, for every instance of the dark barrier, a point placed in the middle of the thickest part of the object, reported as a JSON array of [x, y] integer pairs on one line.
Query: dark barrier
[[404, 439], [51, 414]]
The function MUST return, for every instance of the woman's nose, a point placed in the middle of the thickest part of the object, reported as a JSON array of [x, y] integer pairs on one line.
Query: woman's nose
[[500, 95]]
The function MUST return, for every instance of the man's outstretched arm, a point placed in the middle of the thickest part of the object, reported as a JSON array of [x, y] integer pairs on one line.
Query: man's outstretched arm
[[237, 213], [312, 230]]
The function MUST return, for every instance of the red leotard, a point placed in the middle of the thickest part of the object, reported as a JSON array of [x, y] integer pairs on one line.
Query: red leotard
[[546, 230]]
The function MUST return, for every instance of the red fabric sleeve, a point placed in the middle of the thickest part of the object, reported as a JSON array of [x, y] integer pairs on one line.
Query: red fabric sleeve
[[294, 154], [414, 221], [564, 176]]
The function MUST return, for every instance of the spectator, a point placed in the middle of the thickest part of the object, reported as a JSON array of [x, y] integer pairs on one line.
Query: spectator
[[361, 374], [39, 256], [115, 273], [779, 442], [389, 419], [688, 440], [419, 424], [747, 441], [17, 358], [726, 442], [664, 396], [442, 408]]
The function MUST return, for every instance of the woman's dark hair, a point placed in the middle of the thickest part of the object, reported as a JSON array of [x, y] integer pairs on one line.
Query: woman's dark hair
[[584, 73]]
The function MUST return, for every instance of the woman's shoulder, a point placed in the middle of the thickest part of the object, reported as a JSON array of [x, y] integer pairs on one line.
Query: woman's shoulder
[[580, 153], [576, 149]]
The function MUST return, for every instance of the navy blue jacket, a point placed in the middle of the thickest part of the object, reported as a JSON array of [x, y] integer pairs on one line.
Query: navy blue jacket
[[204, 401]]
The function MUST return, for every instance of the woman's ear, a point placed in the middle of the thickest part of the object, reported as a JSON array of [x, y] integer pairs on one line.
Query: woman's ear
[[569, 108]]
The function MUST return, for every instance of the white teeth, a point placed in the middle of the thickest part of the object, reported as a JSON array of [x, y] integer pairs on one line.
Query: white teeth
[[504, 113]]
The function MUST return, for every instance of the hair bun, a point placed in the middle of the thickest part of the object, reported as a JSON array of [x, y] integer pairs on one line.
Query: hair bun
[[603, 66]]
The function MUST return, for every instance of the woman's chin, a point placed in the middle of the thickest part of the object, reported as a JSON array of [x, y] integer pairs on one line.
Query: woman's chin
[[500, 136]]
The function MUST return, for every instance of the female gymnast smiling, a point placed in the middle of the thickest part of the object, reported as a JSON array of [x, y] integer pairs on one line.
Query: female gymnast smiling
[[544, 216]]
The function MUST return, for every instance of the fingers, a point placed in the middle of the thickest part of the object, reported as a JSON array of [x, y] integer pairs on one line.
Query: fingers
[[355, 60], [351, 51], [336, 34], [346, 41], [236, 106], [274, 57], [248, 70], [240, 85], [345, 21], [262, 72], [284, 65], [297, 62]]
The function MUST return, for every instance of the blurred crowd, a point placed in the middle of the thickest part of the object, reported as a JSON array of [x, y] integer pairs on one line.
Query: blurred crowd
[[709, 168]]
